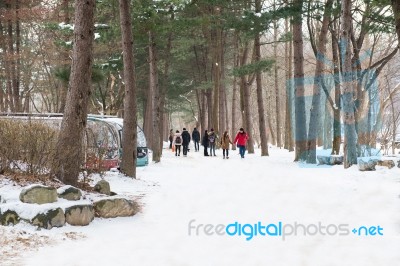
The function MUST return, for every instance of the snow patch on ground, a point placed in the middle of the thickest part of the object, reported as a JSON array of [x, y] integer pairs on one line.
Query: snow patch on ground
[[210, 190]]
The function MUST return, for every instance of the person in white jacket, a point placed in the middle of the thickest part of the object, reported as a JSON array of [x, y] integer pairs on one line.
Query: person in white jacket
[[177, 143]]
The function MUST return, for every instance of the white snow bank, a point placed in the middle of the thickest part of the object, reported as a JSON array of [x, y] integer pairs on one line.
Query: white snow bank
[[210, 190]]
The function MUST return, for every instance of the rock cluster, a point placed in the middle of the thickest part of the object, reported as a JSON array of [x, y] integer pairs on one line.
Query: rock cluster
[[79, 214], [371, 163]]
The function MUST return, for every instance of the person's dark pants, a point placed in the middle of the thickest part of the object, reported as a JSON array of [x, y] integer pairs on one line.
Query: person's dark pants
[[185, 149], [196, 146], [212, 148], [205, 151], [177, 150], [225, 151], [242, 149], [170, 144]]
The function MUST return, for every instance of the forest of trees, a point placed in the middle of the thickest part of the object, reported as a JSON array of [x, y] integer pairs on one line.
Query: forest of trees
[[295, 74]]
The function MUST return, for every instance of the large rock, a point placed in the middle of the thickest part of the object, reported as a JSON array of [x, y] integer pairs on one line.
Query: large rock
[[111, 208], [79, 215], [38, 194], [366, 166], [52, 218], [69, 193], [388, 163], [330, 160], [103, 187], [9, 217]]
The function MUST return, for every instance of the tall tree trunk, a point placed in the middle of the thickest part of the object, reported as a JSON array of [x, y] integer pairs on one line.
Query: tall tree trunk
[[157, 110], [234, 106], [247, 115], [203, 123], [13, 56], [337, 134], [221, 108], [327, 140], [245, 101], [163, 89], [235, 89], [277, 92], [348, 114], [11, 65], [17, 97], [396, 12], [260, 101], [65, 57], [148, 113], [3, 66], [166, 126], [394, 120], [68, 156], [209, 98], [225, 103], [129, 131], [26, 108], [315, 119], [271, 129], [289, 78], [216, 70], [9, 103], [300, 110], [360, 93], [6, 61], [199, 109]]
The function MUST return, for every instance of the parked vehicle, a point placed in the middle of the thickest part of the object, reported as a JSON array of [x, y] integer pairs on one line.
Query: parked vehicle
[[117, 124], [102, 142]]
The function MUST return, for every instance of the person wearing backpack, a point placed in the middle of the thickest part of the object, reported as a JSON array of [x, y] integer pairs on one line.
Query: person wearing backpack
[[185, 141], [177, 143], [212, 138], [205, 142]]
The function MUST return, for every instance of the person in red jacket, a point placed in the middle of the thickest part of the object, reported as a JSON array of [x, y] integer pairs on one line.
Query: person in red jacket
[[241, 139]]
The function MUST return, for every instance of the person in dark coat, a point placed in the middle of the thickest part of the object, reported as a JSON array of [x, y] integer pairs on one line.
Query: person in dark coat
[[171, 138], [196, 139], [185, 141], [205, 142]]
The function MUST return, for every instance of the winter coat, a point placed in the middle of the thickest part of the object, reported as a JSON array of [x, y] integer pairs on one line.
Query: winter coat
[[196, 135], [241, 139], [177, 135], [171, 136], [185, 137], [212, 137], [205, 142], [225, 142]]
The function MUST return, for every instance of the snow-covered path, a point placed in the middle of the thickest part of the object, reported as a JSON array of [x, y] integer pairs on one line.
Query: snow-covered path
[[216, 191]]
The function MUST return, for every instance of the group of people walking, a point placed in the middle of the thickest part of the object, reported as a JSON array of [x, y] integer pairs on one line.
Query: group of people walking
[[179, 139], [208, 141]]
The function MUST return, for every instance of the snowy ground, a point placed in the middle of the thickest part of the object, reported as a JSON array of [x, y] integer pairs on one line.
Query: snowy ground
[[214, 191]]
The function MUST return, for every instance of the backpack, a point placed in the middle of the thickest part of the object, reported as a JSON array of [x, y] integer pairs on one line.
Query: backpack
[[212, 138], [178, 140]]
